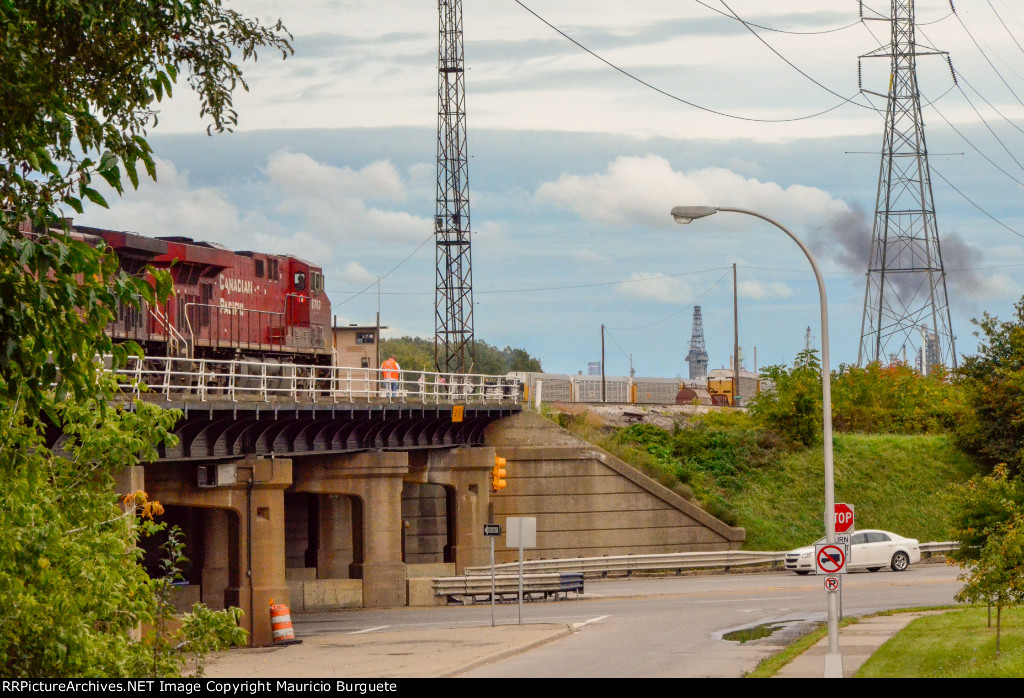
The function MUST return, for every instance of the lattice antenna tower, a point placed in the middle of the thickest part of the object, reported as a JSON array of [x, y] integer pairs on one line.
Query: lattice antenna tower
[[453, 296], [698, 356], [906, 282]]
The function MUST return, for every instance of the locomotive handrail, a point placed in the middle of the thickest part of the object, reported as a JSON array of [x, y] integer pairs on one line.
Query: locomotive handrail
[[175, 336], [263, 381], [234, 339]]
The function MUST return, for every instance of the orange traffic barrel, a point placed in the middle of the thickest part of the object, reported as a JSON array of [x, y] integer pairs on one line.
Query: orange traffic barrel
[[281, 625]]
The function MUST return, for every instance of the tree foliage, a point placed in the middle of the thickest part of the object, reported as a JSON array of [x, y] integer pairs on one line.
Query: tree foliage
[[417, 354], [874, 399], [993, 430], [79, 83], [989, 529], [793, 406]]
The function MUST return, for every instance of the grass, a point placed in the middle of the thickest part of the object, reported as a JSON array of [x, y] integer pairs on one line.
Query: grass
[[955, 644], [895, 482], [899, 483]]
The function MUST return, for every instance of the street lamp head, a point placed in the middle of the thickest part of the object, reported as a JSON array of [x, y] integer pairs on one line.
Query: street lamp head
[[685, 214]]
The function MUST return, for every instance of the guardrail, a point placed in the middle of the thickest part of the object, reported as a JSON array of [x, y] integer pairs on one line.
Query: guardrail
[[469, 589], [929, 549], [628, 564], [249, 381]]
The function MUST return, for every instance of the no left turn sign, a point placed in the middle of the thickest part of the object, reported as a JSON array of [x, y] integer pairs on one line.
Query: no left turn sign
[[829, 559]]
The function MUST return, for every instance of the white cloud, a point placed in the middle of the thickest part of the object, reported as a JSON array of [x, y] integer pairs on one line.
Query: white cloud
[[299, 174], [355, 273], [334, 199], [644, 189], [171, 206], [589, 257], [652, 286], [759, 290]]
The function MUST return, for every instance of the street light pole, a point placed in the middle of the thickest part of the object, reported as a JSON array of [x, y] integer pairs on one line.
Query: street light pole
[[686, 214]]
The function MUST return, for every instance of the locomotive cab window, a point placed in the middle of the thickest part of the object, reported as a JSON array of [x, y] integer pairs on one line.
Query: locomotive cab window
[[272, 270], [259, 268], [300, 281]]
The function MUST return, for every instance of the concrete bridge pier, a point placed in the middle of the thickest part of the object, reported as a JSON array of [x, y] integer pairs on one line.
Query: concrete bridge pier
[[464, 475], [244, 518], [372, 484]]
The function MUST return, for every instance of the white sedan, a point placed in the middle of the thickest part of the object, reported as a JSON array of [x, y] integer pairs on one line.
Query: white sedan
[[871, 550]]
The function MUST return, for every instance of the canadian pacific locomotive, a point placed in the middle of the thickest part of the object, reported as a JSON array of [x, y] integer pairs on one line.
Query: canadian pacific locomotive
[[224, 305]]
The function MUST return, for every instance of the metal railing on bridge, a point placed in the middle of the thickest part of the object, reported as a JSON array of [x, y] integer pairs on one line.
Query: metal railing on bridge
[[259, 381]]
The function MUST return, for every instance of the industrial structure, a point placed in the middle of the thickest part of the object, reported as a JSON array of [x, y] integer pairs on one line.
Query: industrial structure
[[453, 296], [697, 358], [906, 282]]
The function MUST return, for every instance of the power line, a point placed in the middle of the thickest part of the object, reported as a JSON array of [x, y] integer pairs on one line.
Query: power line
[[975, 205], [787, 61], [660, 91], [537, 288], [379, 279], [780, 31], [985, 55]]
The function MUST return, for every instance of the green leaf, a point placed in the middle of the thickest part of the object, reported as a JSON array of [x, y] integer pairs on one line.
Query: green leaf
[[95, 197]]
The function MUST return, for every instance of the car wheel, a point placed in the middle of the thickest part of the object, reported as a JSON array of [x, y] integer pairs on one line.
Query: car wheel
[[900, 562], [873, 569], [802, 572]]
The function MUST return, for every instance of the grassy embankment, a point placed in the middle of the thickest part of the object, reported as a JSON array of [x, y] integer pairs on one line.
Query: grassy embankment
[[956, 644], [750, 478]]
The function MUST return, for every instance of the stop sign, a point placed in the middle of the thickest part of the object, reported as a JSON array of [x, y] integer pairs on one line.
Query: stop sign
[[844, 518]]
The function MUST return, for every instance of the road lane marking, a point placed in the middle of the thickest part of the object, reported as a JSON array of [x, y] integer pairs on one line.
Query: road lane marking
[[368, 630], [576, 626]]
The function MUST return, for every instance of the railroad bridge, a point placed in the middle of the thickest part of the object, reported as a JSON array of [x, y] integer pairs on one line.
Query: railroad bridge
[[332, 488], [331, 481]]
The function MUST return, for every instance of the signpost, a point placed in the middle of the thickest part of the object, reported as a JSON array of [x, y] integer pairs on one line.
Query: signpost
[[845, 526], [492, 531], [522, 533]]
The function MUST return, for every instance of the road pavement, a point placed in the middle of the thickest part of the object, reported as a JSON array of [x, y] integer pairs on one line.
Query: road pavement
[[622, 628]]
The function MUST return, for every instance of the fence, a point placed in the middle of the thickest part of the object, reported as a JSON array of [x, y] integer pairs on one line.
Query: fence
[[267, 381]]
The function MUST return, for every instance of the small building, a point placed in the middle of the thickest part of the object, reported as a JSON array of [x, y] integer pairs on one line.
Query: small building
[[356, 346]]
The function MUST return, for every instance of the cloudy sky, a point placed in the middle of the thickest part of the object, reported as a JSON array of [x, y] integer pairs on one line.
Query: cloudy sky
[[574, 166]]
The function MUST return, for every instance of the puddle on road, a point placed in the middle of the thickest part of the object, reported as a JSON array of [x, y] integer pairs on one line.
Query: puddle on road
[[755, 633]]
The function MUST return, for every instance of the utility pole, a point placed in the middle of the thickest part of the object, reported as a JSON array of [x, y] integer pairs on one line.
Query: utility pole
[[453, 295], [735, 341], [602, 365], [906, 282]]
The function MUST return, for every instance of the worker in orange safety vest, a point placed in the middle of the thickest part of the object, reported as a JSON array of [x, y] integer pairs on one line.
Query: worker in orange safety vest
[[391, 372]]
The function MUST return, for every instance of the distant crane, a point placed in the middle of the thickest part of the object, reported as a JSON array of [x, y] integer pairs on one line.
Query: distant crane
[[698, 356]]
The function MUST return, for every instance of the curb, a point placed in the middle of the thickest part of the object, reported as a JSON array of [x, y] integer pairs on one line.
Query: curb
[[505, 654]]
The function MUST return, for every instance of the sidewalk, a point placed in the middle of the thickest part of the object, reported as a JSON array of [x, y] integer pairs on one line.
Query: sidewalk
[[857, 642], [386, 654]]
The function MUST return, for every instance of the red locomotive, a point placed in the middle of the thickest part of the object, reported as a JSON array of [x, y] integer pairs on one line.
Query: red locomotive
[[225, 305]]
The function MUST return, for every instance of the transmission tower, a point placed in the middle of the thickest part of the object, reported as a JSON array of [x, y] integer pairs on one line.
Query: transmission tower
[[453, 296], [698, 356], [906, 282]]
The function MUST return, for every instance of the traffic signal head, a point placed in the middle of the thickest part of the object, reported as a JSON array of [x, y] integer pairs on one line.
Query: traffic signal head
[[498, 473]]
